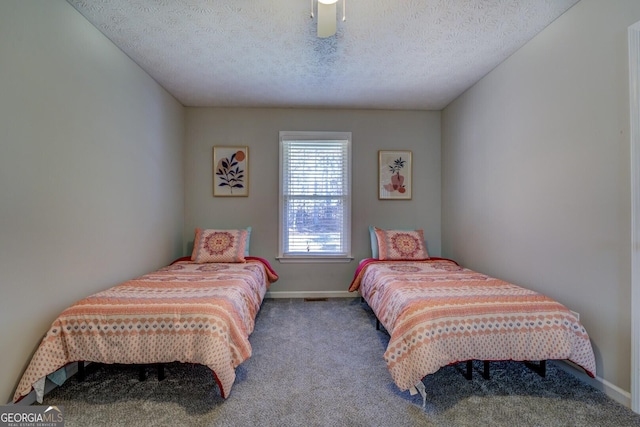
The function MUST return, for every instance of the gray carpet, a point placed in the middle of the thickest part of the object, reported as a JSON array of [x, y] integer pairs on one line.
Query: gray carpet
[[320, 364]]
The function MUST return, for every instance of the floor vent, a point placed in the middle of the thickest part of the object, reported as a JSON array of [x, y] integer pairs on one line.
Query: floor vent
[[316, 299]]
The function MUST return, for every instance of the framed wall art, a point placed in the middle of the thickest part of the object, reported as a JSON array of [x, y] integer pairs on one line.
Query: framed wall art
[[230, 171], [394, 175]]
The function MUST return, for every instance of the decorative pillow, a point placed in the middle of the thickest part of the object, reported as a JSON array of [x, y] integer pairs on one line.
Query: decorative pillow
[[401, 245], [219, 246], [374, 241]]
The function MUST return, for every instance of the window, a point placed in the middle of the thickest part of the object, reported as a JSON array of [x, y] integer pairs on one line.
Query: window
[[315, 196]]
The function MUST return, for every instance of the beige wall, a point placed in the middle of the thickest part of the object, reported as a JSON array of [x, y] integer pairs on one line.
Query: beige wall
[[536, 184], [418, 131], [91, 175]]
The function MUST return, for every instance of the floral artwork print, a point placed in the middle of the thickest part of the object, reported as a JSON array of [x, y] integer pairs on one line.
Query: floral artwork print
[[395, 174], [229, 173], [397, 180]]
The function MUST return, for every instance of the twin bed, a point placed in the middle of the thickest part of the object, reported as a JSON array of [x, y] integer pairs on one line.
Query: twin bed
[[202, 310], [438, 313], [199, 309]]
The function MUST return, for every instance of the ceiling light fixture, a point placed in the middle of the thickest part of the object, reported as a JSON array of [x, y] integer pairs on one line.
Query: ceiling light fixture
[[327, 16]]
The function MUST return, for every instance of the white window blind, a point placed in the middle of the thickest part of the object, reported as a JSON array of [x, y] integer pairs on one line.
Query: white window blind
[[315, 195]]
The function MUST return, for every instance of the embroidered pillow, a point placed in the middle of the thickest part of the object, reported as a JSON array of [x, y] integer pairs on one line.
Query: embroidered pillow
[[401, 245], [219, 246]]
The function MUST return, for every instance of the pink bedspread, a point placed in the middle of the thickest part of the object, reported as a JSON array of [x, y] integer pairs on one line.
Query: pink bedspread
[[186, 312], [439, 313]]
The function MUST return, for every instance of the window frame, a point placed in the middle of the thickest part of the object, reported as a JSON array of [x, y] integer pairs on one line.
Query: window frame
[[285, 257]]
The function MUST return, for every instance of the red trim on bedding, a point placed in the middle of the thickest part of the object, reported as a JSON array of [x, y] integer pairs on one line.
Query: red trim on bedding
[[215, 376], [266, 264]]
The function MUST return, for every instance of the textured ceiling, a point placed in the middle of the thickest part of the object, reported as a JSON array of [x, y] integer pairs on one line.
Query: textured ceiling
[[389, 54]]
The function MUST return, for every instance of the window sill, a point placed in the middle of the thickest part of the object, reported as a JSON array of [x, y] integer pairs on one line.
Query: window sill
[[313, 259]]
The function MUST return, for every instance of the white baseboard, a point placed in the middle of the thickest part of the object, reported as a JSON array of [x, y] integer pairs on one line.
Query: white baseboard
[[312, 294], [611, 390]]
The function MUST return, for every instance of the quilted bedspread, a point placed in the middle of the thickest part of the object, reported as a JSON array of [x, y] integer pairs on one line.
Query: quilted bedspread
[[186, 312], [438, 313]]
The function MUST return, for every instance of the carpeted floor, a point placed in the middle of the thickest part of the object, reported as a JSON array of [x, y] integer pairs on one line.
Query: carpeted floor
[[320, 364]]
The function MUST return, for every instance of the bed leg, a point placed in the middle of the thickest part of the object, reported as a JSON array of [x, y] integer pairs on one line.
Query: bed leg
[[485, 373], [160, 371], [142, 374], [81, 373], [540, 368], [469, 373]]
